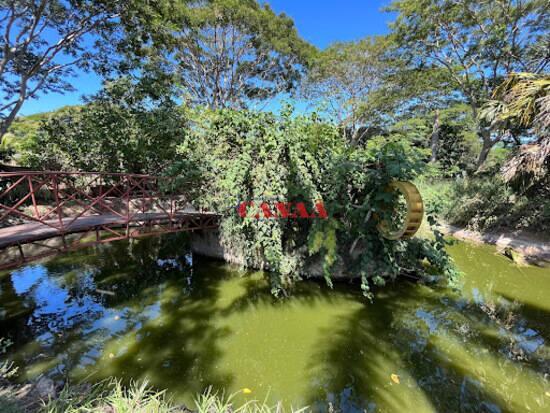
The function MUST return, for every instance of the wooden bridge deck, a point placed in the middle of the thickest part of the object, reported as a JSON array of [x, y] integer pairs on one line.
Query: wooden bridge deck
[[36, 231]]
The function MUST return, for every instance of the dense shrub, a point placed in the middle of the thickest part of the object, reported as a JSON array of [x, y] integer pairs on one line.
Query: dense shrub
[[486, 203], [251, 156], [117, 131], [478, 202]]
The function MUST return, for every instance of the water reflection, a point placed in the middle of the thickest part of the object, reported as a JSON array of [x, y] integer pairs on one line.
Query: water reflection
[[146, 309]]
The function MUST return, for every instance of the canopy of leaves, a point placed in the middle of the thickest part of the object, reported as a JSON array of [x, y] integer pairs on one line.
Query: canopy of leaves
[[231, 53], [476, 43], [344, 77]]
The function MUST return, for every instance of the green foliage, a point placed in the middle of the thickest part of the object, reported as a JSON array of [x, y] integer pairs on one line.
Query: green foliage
[[455, 154], [118, 131], [475, 43], [478, 202], [485, 203], [23, 133], [457, 146], [253, 156], [110, 395], [231, 53]]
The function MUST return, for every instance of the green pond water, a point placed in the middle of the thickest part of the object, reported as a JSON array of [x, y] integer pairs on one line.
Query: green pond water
[[150, 310]]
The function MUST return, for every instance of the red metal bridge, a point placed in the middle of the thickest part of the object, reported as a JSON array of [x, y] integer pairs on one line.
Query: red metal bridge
[[45, 213]]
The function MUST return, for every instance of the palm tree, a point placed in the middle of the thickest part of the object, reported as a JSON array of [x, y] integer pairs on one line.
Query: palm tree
[[523, 99]]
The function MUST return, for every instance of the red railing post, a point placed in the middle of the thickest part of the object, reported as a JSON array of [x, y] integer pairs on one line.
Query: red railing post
[[58, 205], [101, 191], [31, 190]]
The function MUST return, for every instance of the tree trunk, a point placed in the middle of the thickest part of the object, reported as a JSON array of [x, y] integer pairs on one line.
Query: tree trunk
[[8, 120], [434, 140], [3, 129], [488, 143]]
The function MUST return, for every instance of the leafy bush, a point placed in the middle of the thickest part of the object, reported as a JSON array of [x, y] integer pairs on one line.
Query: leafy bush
[[251, 156], [227, 156], [117, 131], [478, 202], [485, 203]]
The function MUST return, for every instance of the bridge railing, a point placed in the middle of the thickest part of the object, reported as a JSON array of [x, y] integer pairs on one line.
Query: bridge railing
[[58, 199]]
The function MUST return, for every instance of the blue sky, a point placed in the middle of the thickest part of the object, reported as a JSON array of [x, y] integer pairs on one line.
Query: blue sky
[[320, 22]]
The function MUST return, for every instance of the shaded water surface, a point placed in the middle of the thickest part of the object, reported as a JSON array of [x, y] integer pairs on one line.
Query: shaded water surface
[[147, 309]]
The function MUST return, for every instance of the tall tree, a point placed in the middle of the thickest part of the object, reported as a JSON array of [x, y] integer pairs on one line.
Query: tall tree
[[41, 44], [412, 94], [476, 42], [343, 77], [231, 53]]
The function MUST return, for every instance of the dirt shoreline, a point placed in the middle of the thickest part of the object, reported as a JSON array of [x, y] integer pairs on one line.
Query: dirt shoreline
[[536, 250]]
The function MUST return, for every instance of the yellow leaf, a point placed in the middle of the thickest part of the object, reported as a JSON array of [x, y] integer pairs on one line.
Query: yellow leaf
[[395, 378], [246, 390], [547, 393], [111, 355]]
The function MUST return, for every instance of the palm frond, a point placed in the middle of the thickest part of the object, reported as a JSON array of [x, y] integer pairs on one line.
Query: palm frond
[[523, 97]]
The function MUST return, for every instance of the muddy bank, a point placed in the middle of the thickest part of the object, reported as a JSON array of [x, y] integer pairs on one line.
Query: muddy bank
[[535, 250]]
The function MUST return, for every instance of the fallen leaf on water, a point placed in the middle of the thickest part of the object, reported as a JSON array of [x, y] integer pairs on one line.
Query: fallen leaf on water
[[246, 390], [395, 378], [117, 317]]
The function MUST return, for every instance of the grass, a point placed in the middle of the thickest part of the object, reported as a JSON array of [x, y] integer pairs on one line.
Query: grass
[[111, 396], [210, 402]]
